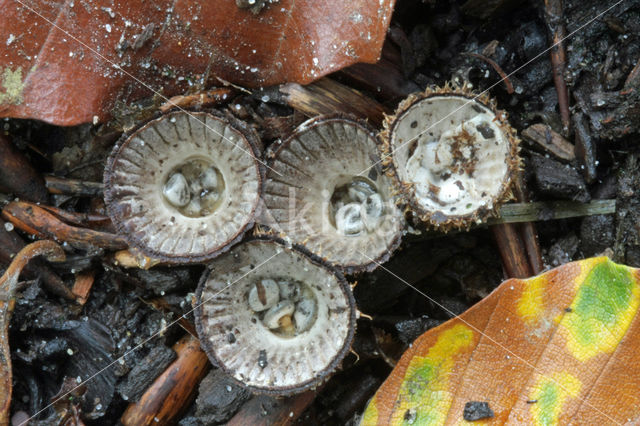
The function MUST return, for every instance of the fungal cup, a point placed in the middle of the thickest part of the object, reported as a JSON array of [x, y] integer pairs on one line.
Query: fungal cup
[[452, 154], [184, 187], [325, 190], [281, 329]]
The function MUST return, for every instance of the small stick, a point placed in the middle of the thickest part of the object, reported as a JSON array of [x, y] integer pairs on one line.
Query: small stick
[[172, 392], [11, 243], [554, 14], [533, 212], [532, 247], [326, 96], [519, 250], [512, 251], [8, 283], [528, 231], [206, 98], [35, 220], [226, 83], [75, 218], [75, 187], [549, 210], [585, 148], [17, 176], [497, 68]]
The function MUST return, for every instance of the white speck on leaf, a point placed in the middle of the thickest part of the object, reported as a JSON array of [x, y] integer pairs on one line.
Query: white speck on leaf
[[356, 17]]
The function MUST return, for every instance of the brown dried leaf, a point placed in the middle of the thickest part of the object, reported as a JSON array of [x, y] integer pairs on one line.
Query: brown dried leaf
[[67, 61]]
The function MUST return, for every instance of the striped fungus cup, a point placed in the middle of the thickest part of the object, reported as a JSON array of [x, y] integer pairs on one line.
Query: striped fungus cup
[[277, 318], [325, 189], [184, 187]]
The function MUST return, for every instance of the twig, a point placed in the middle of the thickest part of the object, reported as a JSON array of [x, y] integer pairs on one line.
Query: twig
[[585, 147], [78, 188], [528, 231], [134, 258], [549, 210], [534, 212], [512, 250], [8, 284], [172, 392], [497, 68], [78, 219], [551, 141], [205, 98], [554, 16], [229, 84], [37, 221], [519, 246], [11, 244]]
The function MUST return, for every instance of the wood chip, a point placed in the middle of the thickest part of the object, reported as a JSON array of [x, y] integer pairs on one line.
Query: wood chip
[[326, 96], [82, 286], [550, 140]]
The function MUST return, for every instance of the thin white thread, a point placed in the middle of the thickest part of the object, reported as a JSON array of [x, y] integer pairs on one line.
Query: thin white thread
[[501, 346], [164, 329], [385, 155], [142, 83]]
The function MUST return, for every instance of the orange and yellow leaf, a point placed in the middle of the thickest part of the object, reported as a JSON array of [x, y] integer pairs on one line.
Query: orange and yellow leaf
[[561, 346]]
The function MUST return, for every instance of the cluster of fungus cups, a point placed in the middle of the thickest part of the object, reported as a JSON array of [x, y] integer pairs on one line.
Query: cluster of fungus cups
[[325, 189], [452, 155], [183, 188], [280, 329], [278, 314]]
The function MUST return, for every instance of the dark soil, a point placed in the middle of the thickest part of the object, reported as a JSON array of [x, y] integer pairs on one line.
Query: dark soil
[[430, 40]]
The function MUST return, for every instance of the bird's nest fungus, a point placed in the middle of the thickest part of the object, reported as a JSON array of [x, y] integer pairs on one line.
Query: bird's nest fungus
[[277, 313]]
